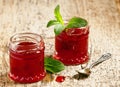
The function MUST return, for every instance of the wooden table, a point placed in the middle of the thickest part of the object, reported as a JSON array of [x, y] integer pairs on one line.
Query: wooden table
[[32, 16]]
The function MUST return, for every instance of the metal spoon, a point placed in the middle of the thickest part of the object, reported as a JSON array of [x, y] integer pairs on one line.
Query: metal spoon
[[84, 73]]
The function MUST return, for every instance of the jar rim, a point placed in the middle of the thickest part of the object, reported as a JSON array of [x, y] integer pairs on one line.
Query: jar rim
[[25, 33], [20, 39]]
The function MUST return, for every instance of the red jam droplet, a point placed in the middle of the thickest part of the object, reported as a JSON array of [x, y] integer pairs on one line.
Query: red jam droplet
[[60, 79]]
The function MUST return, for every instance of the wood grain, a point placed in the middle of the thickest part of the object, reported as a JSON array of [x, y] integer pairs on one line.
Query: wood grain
[[32, 16]]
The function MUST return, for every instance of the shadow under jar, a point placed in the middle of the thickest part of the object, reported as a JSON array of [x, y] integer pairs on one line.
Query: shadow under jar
[[71, 46], [26, 51]]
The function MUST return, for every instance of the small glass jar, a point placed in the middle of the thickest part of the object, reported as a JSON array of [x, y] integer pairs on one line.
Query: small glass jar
[[71, 46], [26, 51]]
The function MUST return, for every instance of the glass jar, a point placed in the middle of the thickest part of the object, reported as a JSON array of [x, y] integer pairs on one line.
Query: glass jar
[[26, 51], [71, 46]]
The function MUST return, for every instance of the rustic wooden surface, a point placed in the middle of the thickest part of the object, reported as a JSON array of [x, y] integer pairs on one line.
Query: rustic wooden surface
[[32, 15]]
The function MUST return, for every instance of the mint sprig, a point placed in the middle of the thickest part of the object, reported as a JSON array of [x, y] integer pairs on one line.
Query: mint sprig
[[59, 23], [75, 22], [52, 65]]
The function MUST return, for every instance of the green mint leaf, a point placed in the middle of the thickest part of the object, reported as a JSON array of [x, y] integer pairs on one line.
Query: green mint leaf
[[52, 65], [76, 22], [58, 28], [58, 15], [52, 22]]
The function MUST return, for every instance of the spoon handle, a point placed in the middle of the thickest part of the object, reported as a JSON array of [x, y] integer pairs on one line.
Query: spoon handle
[[101, 59]]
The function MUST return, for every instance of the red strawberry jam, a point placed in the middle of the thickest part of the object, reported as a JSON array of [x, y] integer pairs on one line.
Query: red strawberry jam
[[26, 60], [72, 46]]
